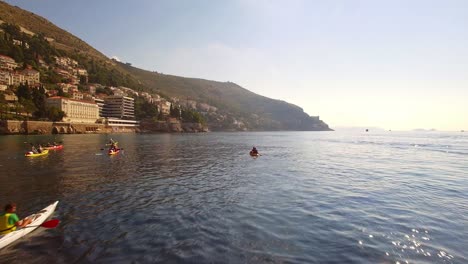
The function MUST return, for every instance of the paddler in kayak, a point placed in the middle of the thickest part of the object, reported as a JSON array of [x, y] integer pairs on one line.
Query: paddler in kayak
[[9, 221], [113, 145], [51, 145], [34, 149], [254, 152]]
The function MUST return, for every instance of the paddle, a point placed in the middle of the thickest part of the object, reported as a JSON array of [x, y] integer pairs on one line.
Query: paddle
[[47, 224], [110, 144]]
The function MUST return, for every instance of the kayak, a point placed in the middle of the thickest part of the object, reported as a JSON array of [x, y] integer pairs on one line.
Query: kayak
[[54, 147], [113, 152], [32, 154], [254, 154], [39, 218]]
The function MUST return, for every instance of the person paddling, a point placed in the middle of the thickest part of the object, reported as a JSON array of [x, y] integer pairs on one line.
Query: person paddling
[[254, 151], [9, 221], [113, 145], [34, 149]]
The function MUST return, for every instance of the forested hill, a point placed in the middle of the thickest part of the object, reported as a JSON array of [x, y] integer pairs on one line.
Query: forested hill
[[225, 105], [258, 112]]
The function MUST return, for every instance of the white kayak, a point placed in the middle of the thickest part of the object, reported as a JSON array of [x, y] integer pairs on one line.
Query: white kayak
[[38, 217]]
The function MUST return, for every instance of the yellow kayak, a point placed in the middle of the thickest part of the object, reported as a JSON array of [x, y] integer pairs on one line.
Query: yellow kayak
[[32, 154]]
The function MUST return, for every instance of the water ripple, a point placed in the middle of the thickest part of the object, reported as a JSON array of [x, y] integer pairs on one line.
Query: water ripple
[[310, 198]]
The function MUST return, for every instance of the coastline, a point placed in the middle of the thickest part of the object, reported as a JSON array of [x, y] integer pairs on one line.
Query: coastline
[[26, 127]]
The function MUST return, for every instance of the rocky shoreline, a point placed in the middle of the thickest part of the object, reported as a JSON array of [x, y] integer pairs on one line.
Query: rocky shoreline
[[17, 127]]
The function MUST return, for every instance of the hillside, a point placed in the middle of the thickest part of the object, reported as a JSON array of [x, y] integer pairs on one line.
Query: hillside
[[236, 108], [258, 112], [32, 23]]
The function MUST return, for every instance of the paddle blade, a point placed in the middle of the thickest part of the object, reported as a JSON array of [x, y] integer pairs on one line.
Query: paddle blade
[[51, 223]]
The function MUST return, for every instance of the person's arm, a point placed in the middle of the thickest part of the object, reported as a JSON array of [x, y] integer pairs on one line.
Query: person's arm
[[19, 223]]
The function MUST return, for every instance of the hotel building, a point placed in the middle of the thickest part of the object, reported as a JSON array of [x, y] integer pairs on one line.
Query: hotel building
[[121, 107], [76, 111]]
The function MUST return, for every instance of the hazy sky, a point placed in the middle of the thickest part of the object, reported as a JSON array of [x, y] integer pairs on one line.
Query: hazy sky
[[393, 64]]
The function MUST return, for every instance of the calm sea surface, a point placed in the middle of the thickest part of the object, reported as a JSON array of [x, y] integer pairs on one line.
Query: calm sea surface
[[312, 197]]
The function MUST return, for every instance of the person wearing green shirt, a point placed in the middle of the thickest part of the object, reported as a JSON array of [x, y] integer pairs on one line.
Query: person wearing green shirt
[[9, 220]]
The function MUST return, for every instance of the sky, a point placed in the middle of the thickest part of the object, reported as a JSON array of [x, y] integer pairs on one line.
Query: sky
[[393, 64]]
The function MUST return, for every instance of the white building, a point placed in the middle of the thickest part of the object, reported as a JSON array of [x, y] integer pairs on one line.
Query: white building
[[31, 76], [76, 111], [7, 63], [113, 122], [77, 95], [163, 106]]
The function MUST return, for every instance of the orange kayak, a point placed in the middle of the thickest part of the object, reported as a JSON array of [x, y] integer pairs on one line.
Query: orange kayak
[[113, 152], [253, 154]]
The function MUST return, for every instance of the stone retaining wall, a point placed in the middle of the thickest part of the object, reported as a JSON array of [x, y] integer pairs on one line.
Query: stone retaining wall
[[13, 127], [38, 127]]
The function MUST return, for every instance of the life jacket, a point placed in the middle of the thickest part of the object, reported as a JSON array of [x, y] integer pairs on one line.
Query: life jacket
[[6, 228]]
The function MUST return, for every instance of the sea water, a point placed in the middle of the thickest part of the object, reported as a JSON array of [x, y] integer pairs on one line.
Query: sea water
[[311, 197]]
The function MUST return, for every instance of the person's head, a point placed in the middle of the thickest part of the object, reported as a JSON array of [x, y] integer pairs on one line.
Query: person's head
[[10, 208]]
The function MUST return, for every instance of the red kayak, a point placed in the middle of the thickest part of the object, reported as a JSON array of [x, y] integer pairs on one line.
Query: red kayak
[[54, 147]]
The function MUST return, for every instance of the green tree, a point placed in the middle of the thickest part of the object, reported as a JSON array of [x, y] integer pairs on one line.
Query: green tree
[[175, 111], [105, 90], [39, 99], [51, 76], [17, 53], [28, 106], [83, 79], [145, 109], [62, 93], [3, 107], [192, 116], [11, 29], [55, 114], [161, 115], [23, 92]]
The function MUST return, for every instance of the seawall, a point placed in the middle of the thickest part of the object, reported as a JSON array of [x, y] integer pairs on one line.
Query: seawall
[[15, 127]]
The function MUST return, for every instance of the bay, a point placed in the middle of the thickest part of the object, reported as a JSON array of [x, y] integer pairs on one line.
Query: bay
[[312, 197]]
